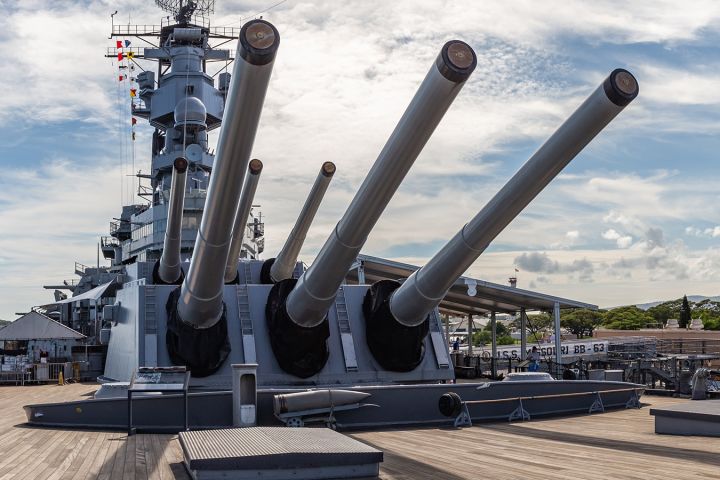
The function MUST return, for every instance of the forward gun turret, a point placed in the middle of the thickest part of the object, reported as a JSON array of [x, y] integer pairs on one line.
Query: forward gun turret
[[297, 310], [197, 327], [397, 315]]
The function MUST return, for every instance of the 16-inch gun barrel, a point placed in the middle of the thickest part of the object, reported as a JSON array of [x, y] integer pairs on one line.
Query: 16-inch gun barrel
[[423, 290], [168, 270], [200, 302], [309, 301], [284, 264], [243, 212]]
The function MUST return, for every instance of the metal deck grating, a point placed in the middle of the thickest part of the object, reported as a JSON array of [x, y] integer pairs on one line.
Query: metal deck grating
[[273, 448]]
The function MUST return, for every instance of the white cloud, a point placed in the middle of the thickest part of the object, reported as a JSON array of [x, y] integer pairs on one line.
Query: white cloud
[[54, 218], [624, 242], [713, 232], [681, 86], [344, 74], [610, 235]]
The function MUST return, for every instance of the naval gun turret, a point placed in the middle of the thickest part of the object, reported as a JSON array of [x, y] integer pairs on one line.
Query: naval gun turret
[[383, 340], [281, 267], [197, 325], [297, 309], [397, 315], [317, 330]]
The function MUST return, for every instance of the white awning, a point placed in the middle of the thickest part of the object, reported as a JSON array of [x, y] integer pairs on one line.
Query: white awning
[[34, 326], [93, 294]]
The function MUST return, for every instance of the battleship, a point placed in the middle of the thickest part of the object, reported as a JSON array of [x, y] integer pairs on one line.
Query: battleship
[[187, 289]]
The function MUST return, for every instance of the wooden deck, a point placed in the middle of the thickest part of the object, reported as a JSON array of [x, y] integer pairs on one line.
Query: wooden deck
[[619, 444]]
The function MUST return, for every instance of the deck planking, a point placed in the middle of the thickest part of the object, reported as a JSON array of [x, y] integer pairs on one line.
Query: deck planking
[[616, 445]]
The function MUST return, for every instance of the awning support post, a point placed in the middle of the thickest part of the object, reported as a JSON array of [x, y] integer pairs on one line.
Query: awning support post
[[523, 334], [470, 334], [493, 328], [447, 333], [361, 273], [558, 353]]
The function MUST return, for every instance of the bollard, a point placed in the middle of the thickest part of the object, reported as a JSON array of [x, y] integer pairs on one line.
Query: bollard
[[244, 394]]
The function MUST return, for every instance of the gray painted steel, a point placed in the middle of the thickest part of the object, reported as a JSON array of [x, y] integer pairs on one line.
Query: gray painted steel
[[425, 289], [314, 399], [241, 218], [169, 269], [558, 336], [315, 291], [201, 297], [267, 447], [695, 417], [214, 409], [284, 264], [138, 339]]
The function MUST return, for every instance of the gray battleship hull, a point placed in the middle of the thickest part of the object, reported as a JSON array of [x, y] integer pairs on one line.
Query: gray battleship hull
[[393, 406]]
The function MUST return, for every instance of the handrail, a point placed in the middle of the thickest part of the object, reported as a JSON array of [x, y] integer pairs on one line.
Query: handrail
[[451, 404], [552, 395]]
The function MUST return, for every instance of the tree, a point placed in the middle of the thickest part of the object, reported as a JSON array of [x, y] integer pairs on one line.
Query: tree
[[484, 336], [500, 329], [539, 322], [685, 313], [581, 322], [711, 323], [709, 313], [666, 310], [627, 318]]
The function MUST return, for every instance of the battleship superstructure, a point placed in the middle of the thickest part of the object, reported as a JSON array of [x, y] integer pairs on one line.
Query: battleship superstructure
[[304, 328], [183, 103]]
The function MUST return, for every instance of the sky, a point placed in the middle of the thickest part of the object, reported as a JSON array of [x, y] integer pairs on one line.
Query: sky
[[632, 219]]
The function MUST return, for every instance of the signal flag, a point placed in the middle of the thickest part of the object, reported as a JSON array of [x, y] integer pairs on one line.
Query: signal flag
[[118, 44], [120, 56], [133, 92], [127, 43]]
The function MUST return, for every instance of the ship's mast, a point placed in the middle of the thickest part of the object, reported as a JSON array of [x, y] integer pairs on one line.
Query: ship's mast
[[183, 102]]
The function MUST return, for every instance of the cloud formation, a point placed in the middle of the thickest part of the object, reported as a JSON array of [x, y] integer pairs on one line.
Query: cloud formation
[[634, 213]]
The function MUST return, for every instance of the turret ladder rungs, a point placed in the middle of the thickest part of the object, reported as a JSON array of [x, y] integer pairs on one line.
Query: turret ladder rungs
[[343, 321], [438, 340], [246, 328]]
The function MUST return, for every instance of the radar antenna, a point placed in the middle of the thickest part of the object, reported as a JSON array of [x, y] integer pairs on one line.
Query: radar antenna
[[183, 10]]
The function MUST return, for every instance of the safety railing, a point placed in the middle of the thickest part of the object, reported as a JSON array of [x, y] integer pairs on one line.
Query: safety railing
[[136, 30], [17, 377], [463, 418], [50, 372]]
